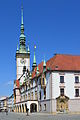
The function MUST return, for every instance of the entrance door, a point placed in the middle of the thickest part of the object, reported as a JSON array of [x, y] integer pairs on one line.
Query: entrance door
[[33, 107], [62, 104]]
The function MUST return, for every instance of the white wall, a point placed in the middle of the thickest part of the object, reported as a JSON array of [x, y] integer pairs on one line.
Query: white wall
[[48, 86], [55, 85], [69, 79]]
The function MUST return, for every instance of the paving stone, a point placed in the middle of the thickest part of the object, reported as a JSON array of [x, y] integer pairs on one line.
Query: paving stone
[[20, 116]]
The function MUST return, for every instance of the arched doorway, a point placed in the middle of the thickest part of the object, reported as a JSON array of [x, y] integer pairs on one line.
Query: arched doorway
[[33, 107], [62, 104]]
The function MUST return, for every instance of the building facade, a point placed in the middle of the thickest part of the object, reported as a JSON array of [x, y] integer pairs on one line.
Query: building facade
[[10, 103], [3, 103], [52, 86]]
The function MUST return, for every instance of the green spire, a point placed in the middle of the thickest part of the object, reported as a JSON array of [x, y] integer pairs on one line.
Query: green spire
[[22, 48], [34, 60]]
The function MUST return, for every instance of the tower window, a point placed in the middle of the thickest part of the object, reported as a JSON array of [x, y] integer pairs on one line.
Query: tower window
[[24, 69]]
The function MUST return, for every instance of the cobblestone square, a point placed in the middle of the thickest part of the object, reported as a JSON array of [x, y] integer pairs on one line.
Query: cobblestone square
[[36, 116]]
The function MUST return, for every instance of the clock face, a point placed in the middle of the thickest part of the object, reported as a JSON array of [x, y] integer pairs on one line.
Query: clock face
[[23, 61]]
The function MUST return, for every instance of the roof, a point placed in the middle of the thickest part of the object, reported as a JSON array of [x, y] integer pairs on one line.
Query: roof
[[3, 98], [59, 62], [64, 62]]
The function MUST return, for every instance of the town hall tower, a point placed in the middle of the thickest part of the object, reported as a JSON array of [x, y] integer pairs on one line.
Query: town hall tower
[[22, 53]]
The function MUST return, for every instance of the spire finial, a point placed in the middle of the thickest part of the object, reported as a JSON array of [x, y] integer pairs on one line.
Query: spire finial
[[22, 14]]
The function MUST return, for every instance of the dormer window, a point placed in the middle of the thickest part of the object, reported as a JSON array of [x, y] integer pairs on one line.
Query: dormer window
[[56, 66]]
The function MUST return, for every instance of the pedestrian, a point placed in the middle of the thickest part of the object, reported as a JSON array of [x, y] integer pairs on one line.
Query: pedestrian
[[6, 112], [27, 111]]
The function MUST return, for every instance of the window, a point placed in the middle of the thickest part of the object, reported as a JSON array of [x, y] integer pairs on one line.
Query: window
[[23, 97], [28, 96], [40, 108], [40, 95], [76, 79], [24, 69], [31, 95], [36, 95], [44, 107], [62, 91], [76, 92], [40, 81], [61, 79], [43, 81], [26, 87], [44, 93]]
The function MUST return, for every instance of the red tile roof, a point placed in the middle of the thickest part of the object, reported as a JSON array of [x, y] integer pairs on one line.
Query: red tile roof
[[60, 62], [64, 62]]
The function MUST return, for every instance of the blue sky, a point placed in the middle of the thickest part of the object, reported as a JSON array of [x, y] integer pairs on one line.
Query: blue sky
[[53, 25]]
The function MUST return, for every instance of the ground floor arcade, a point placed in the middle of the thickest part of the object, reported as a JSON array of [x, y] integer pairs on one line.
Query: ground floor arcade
[[23, 106]]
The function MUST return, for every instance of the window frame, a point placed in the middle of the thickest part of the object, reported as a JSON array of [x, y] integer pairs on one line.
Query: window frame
[[76, 80], [76, 93], [61, 92], [61, 79]]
